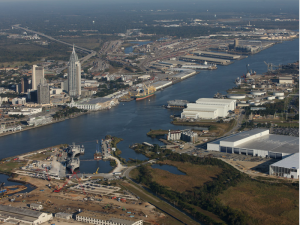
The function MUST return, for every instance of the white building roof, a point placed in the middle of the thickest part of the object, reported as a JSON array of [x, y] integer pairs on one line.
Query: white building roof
[[291, 162]]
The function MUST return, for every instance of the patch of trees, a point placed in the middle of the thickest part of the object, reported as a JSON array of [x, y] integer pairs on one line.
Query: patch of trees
[[277, 107], [66, 112]]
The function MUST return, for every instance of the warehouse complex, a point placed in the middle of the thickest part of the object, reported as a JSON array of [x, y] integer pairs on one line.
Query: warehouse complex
[[259, 142], [22, 216], [288, 167], [209, 108]]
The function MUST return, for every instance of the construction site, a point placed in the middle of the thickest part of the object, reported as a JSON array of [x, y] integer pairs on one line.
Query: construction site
[[75, 194]]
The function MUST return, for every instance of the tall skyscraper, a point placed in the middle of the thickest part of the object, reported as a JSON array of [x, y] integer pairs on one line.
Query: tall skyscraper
[[37, 76], [43, 93], [24, 84], [74, 75]]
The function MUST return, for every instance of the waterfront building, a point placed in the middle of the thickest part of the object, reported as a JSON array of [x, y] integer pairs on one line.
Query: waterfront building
[[173, 135], [94, 104], [74, 75], [13, 215], [94, 218], [189, 136], [288, 167], [40, 120], [38, 75], [257, 142], [209, 108], [43, 94]]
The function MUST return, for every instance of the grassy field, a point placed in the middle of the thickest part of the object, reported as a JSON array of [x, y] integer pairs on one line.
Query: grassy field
[[196, 175], [268, 203], [218, 128], [154, 133], [7, 167]]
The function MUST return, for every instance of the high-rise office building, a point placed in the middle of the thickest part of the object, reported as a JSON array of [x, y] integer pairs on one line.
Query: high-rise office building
[[43, 93], [37, 76], [74, 75], [24, 84]]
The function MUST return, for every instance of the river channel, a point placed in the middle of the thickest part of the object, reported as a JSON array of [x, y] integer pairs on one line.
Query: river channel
[[131, 121]]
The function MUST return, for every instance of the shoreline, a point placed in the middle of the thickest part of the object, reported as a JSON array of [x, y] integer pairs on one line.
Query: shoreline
[[173, 82]]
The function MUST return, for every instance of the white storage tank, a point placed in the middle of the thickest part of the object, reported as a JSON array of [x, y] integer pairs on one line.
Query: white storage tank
[[271, 97], [257, 100], [269, 86], [258, 93], [280, 97], [244, 102], [278, 94], [236, 96], [257, 103], [262, 86], [253, 86]]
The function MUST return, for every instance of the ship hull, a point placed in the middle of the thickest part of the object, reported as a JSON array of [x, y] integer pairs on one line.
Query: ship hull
[[143, 97]]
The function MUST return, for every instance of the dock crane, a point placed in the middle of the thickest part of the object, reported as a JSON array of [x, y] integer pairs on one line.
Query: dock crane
[[57, 190], [270, 66]]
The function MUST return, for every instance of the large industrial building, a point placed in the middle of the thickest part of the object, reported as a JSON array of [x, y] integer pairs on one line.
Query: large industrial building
[[209, 108], [12, 215], [257, 142], [217, 55], [288, 167]]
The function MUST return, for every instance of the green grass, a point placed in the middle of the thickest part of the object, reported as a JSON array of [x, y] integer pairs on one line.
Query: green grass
[[8, 167]]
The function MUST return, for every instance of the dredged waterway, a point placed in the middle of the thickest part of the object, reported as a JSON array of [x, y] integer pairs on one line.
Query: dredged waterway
[[131, 121]]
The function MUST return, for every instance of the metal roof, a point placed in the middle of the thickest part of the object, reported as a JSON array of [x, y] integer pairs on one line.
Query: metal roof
[[25, 212], [242, 135], [205, 58], [273, 143], [291, 162]]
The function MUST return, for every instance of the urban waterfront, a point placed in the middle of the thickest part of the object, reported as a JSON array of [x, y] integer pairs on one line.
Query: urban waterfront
[[131, 121]]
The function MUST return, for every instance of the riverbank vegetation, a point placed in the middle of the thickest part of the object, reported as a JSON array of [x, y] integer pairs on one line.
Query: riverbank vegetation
[[216, 191], [68, 112], [155, 133], [218, 128]]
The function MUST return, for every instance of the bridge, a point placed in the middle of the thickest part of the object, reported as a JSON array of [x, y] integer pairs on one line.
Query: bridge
[[79, 49]]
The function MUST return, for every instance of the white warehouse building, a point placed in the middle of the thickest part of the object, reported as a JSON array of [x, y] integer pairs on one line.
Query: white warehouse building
[[288, 167], [257, 142], [209, 108]]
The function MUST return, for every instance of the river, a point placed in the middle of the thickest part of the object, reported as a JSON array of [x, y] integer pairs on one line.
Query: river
[[131, 121]]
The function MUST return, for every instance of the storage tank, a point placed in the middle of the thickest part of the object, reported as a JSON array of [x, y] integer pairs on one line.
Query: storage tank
[[257, 100], [280, 97], [256, 103], [236, 96], [269, 86], [258, 93], [253, 86], [271, 97], [263, 86], [278, 94], [244, 102]]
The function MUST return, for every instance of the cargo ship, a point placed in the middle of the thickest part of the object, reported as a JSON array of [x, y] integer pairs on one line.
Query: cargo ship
[[148, 91]]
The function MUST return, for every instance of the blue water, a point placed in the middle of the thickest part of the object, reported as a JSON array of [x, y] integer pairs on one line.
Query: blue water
[[139, 43], [171, 169], [131, 121], [3, 178]]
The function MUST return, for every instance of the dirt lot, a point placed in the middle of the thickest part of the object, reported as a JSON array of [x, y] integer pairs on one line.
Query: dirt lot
[[268, 203], [70, 202]]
